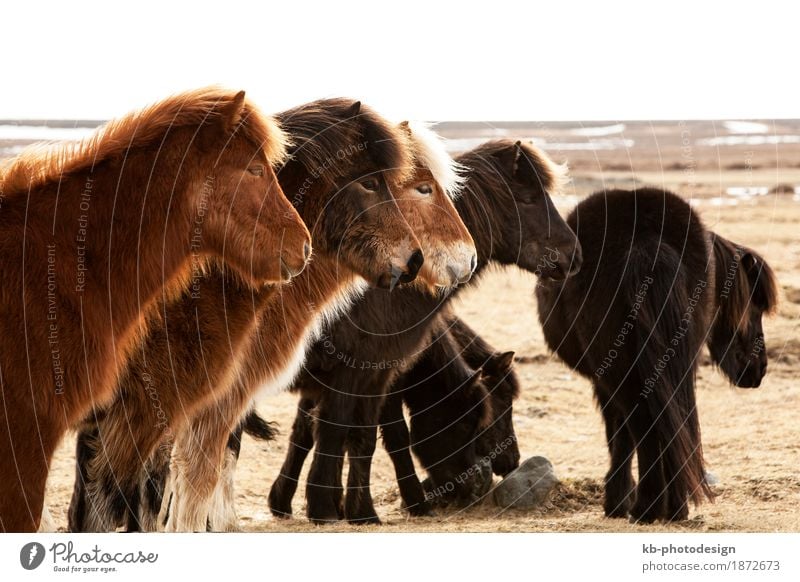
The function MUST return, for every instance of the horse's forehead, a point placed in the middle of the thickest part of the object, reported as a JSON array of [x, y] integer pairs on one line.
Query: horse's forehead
[[419, 175], [422, 174]]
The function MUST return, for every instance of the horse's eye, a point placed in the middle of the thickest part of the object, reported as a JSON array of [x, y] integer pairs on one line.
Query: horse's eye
[[256, 170], [370, 184], [425, 189]]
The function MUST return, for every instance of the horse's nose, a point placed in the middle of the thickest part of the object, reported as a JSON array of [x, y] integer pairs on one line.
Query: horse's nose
[[461, 271], [414, 264], [561, 264], [398, 275], [307, 250], [576, 261], [473, 263]]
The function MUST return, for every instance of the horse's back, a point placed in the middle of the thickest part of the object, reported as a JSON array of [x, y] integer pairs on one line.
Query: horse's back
[[641, 250]]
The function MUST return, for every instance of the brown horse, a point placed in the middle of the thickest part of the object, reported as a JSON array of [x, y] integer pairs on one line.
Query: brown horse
[[93, 234], [425, 200]]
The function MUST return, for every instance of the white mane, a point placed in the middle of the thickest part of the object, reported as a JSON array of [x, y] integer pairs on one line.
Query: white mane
[[430, 152]]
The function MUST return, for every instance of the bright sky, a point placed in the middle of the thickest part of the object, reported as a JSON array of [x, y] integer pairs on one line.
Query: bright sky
[[496, 60]]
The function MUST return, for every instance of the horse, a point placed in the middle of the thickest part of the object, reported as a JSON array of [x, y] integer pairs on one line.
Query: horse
[[425, 199], [337, 168], [507, 207], [94, 234], [656, 285], [459, 396]]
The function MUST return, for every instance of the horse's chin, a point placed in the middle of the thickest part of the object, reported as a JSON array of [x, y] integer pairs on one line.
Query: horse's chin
[[548, 281], [747, 377], [748, 381]]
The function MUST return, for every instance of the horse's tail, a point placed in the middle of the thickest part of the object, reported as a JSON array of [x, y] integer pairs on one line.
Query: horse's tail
[[668, 329], [258, 428]]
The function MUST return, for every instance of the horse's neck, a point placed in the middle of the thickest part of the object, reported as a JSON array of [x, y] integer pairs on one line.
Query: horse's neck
[[295, 316], [321, 291], [486, 238], [138, 232]]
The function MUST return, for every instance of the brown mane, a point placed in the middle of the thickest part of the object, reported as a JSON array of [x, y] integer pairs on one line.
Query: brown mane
[[735, 298], [489, 174], [324, 137], [45, 163]]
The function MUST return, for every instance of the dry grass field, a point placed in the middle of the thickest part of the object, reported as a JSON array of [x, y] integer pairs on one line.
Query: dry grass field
[[751, 437]]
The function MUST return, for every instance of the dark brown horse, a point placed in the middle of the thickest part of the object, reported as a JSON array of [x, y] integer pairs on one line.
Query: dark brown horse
[[424, 198], [94, 234], [656, 285], [507, 207], [461, 421]]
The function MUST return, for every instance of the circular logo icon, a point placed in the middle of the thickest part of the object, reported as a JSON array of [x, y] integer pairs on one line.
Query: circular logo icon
[[31, 555]]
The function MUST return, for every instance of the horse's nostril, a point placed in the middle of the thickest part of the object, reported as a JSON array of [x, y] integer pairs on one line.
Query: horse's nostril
[[306, 250], [415, 263]]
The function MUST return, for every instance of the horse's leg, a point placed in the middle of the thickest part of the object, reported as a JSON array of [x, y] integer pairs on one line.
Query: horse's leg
[[25, 456], [118, 451], [223, 516], [619, 480], [397, 442], [78, 505], [152, 490], [358, 505], [197, 457], [324, 486], [301, 442], [47, 524], [677, 492], [619, 484], [651, 489]]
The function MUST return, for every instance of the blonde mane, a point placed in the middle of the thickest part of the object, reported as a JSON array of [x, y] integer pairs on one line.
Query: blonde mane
[[429, 152], [44, 163]]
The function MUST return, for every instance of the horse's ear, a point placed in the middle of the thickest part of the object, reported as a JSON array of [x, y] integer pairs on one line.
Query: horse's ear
[[504, 362], [509, 158], [524, 168], [517, 156], [355, 109], [404, 125], [232, 112], [749, 260]]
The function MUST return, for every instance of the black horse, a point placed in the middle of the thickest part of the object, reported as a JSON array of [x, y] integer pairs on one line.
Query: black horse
[[459, 395], [655, 286], [461, 420], [507, 207]]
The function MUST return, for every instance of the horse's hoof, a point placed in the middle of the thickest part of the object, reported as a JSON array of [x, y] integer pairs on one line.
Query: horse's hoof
[[423, 509], [280, 514], [320, 516], [324, 520], [368, 520], [616, 510], [616, 513], [645, 517], [677, 514]]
